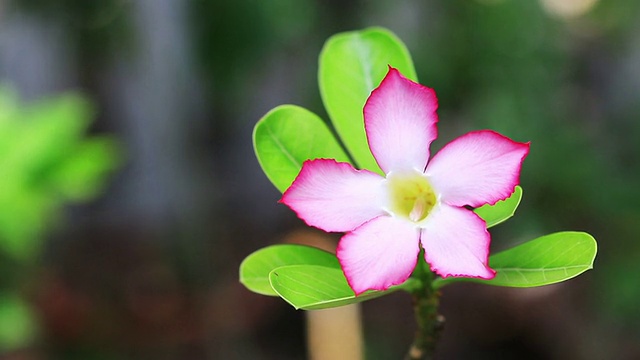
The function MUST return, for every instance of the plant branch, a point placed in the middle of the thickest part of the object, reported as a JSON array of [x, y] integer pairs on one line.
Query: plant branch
[[430, 323]]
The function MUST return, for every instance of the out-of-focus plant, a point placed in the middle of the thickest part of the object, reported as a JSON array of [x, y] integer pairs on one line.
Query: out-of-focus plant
[[46, 161]]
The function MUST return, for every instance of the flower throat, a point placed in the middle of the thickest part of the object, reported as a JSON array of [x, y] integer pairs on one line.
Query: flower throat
[[411, 195]]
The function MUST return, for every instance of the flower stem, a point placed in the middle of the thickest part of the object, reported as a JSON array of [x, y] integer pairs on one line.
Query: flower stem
[[430, 323]]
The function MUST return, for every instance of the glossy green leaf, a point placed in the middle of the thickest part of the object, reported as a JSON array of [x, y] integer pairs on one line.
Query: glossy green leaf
[[287, 136], [312, 287], [352, 64], [546, 260], [502, 210], [255, 269]]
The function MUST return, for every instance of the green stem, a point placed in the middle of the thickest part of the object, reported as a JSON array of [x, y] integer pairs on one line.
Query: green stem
[[430, 323]]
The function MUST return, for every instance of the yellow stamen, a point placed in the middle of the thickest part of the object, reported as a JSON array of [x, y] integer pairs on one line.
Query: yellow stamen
[[411, 195]]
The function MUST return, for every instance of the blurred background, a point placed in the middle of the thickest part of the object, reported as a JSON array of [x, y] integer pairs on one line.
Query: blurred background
[[129, 191]]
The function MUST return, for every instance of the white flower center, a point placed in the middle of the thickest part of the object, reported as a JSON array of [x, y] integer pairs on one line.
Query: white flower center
[[410, 195]]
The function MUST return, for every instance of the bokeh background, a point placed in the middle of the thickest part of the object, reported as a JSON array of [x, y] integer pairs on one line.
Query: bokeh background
[[142, 261]]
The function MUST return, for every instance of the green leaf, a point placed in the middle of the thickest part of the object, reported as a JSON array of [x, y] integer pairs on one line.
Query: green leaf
[[313, 287], [352, 64], [502, 210], [287, 136], [546, 260], [255, 269]]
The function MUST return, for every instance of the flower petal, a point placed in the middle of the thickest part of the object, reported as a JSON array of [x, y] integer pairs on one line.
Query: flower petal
[[334, 196], [381, 253], [456, 243], [400, 120], [481, 167]]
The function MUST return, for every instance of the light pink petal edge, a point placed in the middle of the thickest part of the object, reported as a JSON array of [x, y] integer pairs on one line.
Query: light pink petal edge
[[381, 253], [334, 196], [480, 167], [456, 243], [400, 121]]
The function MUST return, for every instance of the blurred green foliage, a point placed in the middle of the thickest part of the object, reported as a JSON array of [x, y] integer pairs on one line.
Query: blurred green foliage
[[230, 51], [46, 161]]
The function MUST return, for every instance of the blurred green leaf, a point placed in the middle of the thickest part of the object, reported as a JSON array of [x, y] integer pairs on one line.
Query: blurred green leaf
[[352, 64], [255, 269], [502, 210], [46, 161], [24, 215], [83, 174], [287, 136], [45, 132], [18, 326], [313, 287], [546, 260]]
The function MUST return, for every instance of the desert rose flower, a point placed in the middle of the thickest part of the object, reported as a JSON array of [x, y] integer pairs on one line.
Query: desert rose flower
[[419, 203]]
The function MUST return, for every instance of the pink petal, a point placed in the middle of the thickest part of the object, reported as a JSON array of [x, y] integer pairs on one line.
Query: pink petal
[[456, 243], [478, 168], [381, 253], [334, 196], [400, 121]]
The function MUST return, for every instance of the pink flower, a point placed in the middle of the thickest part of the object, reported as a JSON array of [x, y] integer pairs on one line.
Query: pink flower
[[420, 202]]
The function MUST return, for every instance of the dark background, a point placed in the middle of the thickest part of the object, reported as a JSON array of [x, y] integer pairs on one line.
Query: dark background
[[148, 270]]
